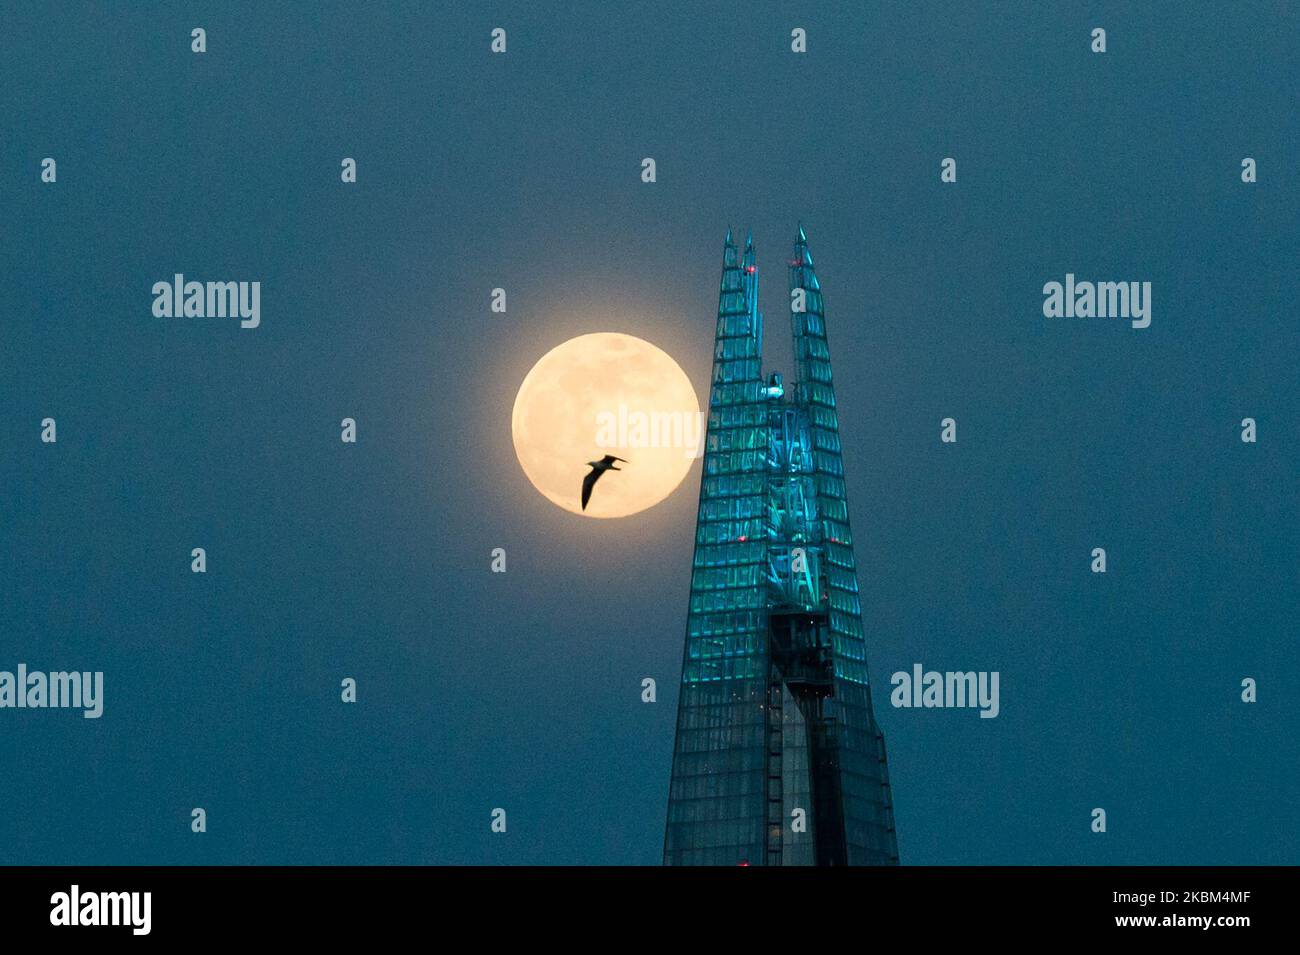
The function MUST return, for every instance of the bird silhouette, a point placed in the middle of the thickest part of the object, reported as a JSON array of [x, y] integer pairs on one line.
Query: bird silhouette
[[597, 469]]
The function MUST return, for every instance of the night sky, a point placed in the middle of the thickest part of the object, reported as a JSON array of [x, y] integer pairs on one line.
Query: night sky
[[523, 690]]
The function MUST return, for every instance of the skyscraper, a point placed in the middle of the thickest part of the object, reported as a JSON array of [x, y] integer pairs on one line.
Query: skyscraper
[[778, 759]]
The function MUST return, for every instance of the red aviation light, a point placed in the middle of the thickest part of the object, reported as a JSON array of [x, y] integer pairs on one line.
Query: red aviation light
[[751, 269]]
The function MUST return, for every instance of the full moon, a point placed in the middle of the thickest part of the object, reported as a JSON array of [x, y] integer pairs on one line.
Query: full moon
[[599, 394]]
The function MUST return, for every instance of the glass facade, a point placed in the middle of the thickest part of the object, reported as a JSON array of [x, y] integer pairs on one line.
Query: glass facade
[[778, 760]]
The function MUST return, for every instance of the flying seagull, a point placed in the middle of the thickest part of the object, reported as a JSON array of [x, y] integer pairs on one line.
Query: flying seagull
[[597, 469]]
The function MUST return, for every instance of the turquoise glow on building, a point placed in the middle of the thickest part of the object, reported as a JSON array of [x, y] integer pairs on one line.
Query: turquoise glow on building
[[774, 715]]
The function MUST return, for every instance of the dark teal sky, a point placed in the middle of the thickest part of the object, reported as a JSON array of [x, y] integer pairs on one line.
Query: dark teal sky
[[475, 171]]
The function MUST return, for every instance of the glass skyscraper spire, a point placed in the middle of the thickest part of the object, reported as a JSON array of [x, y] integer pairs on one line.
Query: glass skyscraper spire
[[778, 759]]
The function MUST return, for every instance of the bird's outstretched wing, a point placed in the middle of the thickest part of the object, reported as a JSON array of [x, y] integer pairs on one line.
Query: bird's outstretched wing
[[587, 483], [610, 459]]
